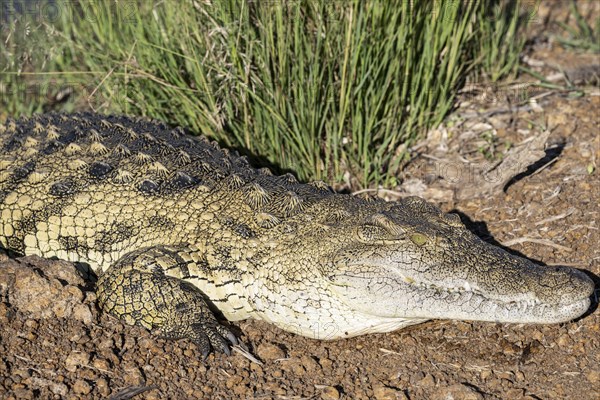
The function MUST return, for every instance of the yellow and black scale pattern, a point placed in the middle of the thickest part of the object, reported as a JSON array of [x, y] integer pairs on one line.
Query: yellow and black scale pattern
[[173, 221]]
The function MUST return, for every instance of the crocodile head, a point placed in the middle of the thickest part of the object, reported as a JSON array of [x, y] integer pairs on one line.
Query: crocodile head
[[408, 262]]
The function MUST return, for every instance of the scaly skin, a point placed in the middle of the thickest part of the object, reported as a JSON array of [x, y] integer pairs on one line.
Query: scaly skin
[[177, 228]]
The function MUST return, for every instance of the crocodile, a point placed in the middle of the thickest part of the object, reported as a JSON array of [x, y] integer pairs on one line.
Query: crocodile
[[184, 235]]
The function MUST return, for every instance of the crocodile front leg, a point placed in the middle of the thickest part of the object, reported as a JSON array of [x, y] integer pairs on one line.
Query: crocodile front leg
[[137, 290]]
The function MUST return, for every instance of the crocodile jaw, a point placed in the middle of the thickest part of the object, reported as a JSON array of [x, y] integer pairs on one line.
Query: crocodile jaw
[[396, 295], [414, 302]]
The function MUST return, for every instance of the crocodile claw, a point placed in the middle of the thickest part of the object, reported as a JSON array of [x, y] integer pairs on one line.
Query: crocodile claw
[[213, 336]]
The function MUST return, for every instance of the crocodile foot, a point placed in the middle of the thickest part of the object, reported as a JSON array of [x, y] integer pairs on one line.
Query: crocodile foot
[[137, 290]]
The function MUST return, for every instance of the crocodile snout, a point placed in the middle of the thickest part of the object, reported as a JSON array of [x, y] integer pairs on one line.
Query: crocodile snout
[[564, 285]]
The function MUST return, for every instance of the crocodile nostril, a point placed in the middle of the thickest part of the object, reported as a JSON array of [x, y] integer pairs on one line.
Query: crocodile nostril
[[441, 240], [452, 219]]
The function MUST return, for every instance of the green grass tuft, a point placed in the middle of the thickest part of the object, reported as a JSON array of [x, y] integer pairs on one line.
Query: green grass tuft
[[581, 36], [322, 88]]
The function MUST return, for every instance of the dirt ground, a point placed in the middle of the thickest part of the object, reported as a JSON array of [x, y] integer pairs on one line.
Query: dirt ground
[[54, 343]]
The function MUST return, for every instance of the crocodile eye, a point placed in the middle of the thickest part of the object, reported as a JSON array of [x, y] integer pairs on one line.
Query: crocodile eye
[[418, 239]]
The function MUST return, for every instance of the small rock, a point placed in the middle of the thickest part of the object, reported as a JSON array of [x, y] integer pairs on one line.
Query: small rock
[[564, 340], [381, 392], [82, 313], [509, 348], [428, 381], [277, 374], [76, 359], [241, 391], [329, 393], [101, 364], [233, 381], [416, 377], [326, 363], [514, 393], [102, 387], [59, 389], [23, 393], [537, 335], [275, 387], [90, 297], [148, 343], [106, 343], [6, 312], [133, 376], [75, 293], [59, 269], [593, 376], [309, 363], [297, 368], [81, 387], [519, 376], [268, 351], [456, 392], [31, 324], [22, 372]]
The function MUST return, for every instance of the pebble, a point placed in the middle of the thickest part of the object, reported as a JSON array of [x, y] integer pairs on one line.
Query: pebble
[[268, 351], [519, 376], [133, 376], [428, 381], [22, 394], [75, 359], [593, 376], [81, 387], [102, 387], [381, 392], [326, 363], [564, 340], [60, 389], [457, 391], [514, 393], [32, 324], [101, 364], [6, 313], [329, 393], [81, 312], [309, 363]]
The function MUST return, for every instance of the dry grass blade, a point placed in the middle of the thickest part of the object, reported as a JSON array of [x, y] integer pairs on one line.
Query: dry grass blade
[[244, 352], [544, 242]]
